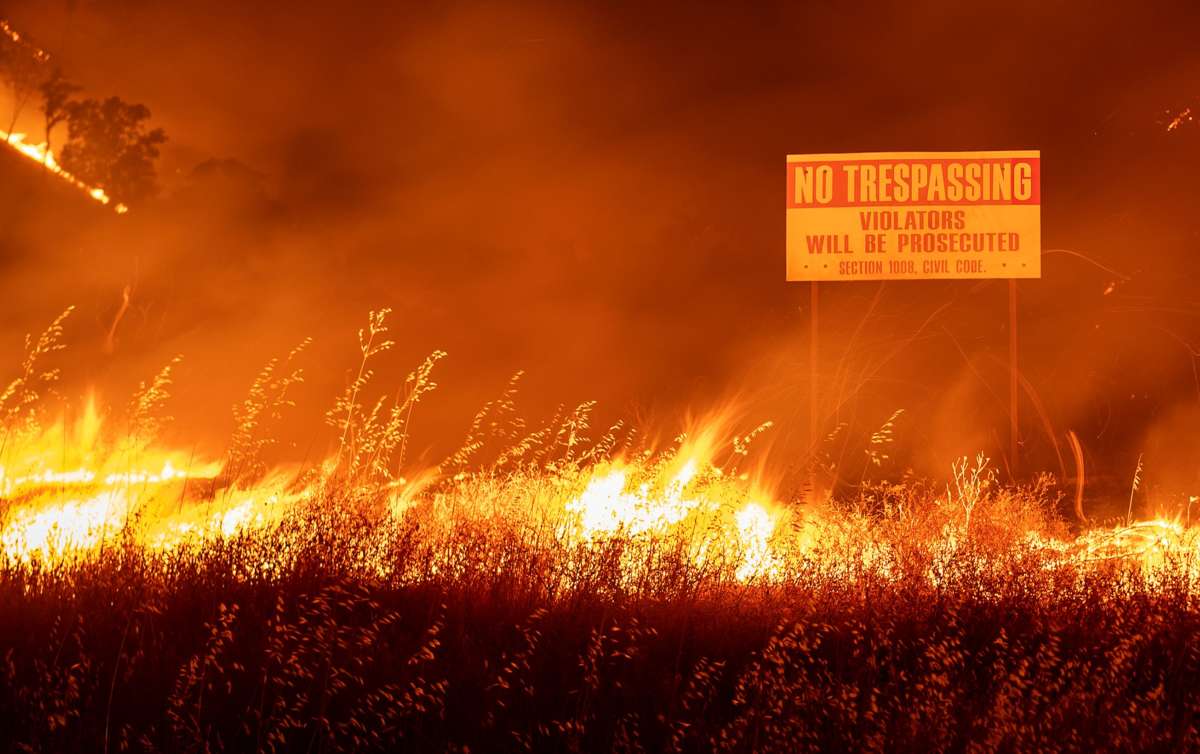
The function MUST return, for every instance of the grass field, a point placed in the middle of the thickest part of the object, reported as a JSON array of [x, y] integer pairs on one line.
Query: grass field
[[547, 590]]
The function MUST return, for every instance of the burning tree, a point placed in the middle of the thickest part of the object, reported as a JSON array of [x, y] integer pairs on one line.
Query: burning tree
[[109, 145]]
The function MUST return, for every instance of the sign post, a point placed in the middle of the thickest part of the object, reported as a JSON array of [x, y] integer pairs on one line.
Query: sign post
[[915, 216], [814, 418], [1014, 375]]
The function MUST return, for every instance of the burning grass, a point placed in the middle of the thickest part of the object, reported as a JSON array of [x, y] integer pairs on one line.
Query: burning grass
[[545, 590]]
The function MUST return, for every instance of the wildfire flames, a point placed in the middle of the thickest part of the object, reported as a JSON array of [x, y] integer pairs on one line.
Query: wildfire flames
[[38, 153], [57, 512], [69, 495], [71, 488]]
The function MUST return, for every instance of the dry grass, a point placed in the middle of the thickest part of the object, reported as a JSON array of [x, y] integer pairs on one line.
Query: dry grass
[[468, 613], [477, 638]]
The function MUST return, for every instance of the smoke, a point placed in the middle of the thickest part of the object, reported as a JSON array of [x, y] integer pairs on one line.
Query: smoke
[[594, 195]]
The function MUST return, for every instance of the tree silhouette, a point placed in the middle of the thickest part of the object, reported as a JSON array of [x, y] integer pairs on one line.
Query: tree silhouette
[[56, 94], [21, 67], [108, 146]]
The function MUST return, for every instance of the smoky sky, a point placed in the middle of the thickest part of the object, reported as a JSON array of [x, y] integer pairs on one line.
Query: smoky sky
[[593, 193]]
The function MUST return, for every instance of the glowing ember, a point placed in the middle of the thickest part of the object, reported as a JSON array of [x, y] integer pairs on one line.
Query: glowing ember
[[1184, 116], [7, 30]]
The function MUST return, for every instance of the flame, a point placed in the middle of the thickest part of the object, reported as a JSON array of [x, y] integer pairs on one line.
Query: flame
[[68, 494], [1183, 116], [59, 529], [606, 507], [755, 525], [611, 506], [40, 154], [69, 491]]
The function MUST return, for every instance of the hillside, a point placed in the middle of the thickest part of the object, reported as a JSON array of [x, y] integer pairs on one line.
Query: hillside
[[36, 204]]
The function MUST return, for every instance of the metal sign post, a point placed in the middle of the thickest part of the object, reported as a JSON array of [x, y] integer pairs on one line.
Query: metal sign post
[[814, 417], [1014, 376]]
